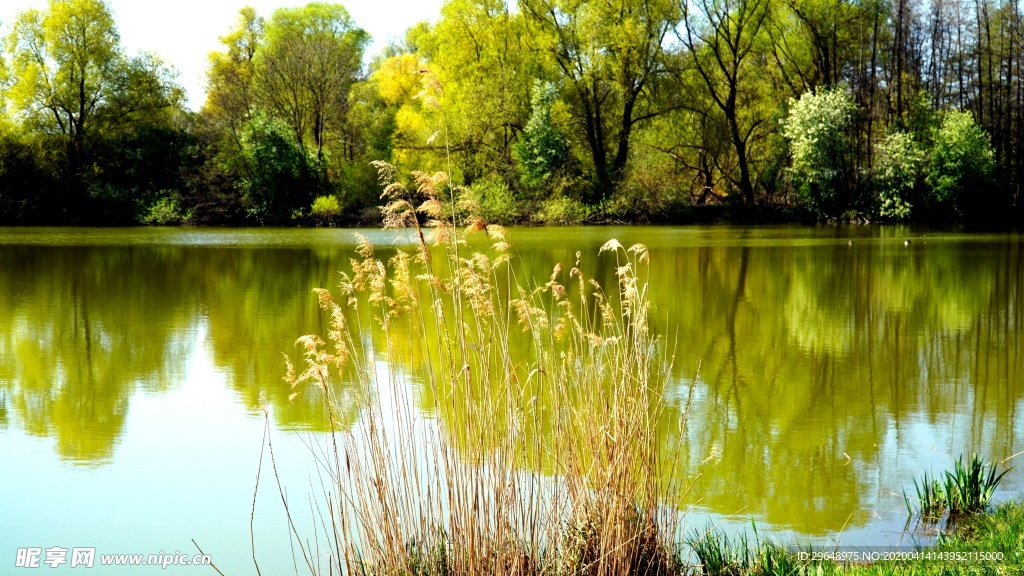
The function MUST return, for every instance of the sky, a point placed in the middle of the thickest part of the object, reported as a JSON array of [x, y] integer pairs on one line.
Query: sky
[[184, 32]]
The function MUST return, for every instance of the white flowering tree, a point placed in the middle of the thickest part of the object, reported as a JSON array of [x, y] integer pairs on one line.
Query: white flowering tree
[[901, 162], [815, 129]]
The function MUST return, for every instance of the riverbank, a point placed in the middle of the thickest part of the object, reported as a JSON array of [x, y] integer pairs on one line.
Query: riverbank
[[564, 214], [991, 542]]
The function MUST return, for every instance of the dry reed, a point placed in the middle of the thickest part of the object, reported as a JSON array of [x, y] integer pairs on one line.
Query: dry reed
[[556, 464]]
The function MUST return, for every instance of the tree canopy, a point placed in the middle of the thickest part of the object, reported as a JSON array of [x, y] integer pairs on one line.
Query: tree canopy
[[561, 111]]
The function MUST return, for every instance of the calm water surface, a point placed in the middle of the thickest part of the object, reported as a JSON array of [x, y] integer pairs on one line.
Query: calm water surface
[[835, 364]]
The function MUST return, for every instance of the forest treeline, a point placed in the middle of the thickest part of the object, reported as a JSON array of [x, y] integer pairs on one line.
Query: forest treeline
[[546, 111]]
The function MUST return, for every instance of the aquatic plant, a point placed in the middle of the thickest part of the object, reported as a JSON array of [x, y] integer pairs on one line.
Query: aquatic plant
[[970, 489], [964, 490]]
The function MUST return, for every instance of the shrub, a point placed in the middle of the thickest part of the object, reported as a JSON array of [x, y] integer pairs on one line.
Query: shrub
[[166, 211], [277, 179], [563, 210], [960, 174], [490, 200], [325, 209], [645, 194], [900, 165]]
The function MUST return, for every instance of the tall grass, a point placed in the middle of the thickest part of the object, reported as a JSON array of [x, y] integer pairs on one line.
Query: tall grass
[[558, 461]]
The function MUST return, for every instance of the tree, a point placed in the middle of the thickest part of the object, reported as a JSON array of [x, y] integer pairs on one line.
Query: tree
[[63, 65], [69, 77], [479, 52], [721, 36], [610, 59], [961, 167], [304, 70], [230, 98], [900, 165], [542, 148], [819, 147]]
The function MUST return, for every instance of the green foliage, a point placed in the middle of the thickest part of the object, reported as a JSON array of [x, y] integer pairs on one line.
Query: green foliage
[[684, 94], [647, 193], [277, 180], [609, 60], [929, 495], [901, 163], [564, 211], [325, 209], [89, 108], [71, 76], [166, 211], [286, 117], [965, 490], [492, 201], [304, 69], [962, 161], [230, 95], [969, 489], [819, 148], [479, 52], [542, 148], [718, 554], [134, 169], [729, 80], [24, 177]]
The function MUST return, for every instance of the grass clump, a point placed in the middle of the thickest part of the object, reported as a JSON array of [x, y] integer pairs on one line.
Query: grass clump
[[544, 448], [718, 554], [964, 490], [991, 542]]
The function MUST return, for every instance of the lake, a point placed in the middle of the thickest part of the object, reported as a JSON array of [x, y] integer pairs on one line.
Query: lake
[[825, 369]]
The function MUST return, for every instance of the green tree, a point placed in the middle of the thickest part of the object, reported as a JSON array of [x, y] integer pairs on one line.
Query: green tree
[[721, 36], [479, 52], [230, 98], [71, 84], [819, 147], [962, 162], [609, 58], [277, 181], [64, 64], [309, 60], [542, 148], [900, 166], [392, 92]]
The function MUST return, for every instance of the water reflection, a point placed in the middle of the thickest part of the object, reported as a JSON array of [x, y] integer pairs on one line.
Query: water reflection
[[820, 363], [81, 330], [258, 302], [85, 328], [833, 368]]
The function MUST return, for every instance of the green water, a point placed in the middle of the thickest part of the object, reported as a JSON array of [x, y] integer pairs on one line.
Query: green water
[[835, 364]]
